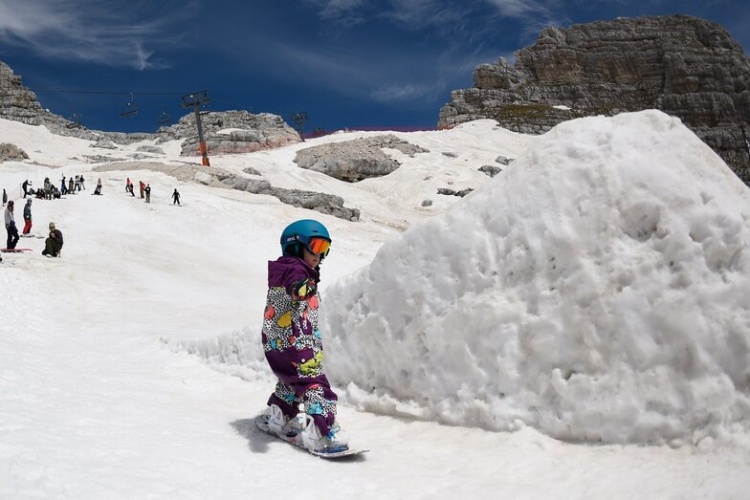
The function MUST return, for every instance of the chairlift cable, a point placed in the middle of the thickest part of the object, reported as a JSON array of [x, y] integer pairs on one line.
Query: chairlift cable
[[98, 92]]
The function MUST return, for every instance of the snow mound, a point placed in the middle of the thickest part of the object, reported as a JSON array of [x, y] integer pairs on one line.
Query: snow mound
[[595, 290]]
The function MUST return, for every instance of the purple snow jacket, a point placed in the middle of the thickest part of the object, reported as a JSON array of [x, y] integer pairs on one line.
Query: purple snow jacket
[[291, 338]]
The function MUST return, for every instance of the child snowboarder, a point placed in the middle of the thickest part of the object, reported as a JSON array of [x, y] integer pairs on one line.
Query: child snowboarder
[[293, 344]]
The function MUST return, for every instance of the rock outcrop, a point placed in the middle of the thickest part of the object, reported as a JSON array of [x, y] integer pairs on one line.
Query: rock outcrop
[[355, 160], [684, 66], [229, 132], [11, 152]]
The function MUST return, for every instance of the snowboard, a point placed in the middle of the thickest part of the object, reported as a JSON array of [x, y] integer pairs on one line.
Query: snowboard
[[296, 440], [15, 250]]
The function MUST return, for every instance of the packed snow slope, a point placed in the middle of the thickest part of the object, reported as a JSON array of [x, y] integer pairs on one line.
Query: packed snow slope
[[595, 290], [101, 398]]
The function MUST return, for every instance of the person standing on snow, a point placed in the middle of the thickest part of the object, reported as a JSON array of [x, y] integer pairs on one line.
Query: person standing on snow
[[293, 344], [27, 216], [5, 197], [176, 197], [10, 226], [147, 190], [25, 186]]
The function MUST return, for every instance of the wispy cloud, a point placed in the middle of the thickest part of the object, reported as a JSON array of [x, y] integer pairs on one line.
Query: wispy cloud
[[344, 12], [418, 14], [519, 8], [404, 92], [114, 33]]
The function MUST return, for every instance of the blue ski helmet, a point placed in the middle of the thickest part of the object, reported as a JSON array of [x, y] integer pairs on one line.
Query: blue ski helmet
[[302, 231]]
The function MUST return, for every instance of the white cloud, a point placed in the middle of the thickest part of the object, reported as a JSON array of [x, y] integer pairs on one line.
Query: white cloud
[[518, 8], [423, 13], [109, 33], [338, 10], [401, 92]]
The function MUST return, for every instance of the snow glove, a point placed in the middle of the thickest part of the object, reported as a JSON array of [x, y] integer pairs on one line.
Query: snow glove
[[304, 288]]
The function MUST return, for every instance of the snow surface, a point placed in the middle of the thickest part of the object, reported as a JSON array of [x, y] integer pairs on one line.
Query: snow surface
[[577, 327]]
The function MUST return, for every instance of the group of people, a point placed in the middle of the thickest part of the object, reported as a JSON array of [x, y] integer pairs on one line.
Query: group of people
[[10, 223], [145, 191], [52, 245], [54, 242], [49, 191]]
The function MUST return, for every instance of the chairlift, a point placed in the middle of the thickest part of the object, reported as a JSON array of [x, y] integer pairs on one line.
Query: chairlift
[[74, 121], [195, 100], [130, 108], [164, 118]]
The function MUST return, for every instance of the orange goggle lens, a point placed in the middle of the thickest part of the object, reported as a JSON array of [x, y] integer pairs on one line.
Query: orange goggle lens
[[319, 246]]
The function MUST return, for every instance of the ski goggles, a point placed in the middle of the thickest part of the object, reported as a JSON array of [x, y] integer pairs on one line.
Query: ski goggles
[[318, 246]]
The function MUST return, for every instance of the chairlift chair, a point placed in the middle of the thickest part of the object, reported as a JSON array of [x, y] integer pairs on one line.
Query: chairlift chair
[[74, 121], [164, 118], [129, 109]]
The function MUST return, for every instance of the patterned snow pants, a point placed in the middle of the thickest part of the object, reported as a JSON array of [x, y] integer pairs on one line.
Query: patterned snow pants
[[294, 350]]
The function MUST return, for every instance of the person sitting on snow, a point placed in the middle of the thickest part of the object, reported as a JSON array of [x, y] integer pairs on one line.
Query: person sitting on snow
[[54, 243]]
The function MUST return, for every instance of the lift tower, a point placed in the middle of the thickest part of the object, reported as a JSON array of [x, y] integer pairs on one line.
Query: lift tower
[[196, 100]]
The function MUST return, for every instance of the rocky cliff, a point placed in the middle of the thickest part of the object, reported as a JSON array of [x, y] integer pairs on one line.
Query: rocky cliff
[[18, 103], [684, 66]]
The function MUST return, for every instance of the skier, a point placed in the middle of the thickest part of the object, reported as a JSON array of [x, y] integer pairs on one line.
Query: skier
[[54, 243], [27, 216], [293, 344], [176, 197], [10, 226]]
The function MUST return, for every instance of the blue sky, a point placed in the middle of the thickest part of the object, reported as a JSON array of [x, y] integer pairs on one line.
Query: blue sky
[[346, 63]]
